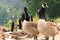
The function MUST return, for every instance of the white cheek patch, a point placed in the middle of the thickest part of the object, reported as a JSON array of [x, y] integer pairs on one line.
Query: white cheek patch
[[43, 6]]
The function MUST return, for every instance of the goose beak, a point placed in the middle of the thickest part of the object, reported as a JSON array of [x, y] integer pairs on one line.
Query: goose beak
[[47, 6]]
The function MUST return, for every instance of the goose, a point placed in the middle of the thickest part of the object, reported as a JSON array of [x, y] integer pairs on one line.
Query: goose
[[41, 12], [30, 28], [49, 29], [12, 26], [25, 16]]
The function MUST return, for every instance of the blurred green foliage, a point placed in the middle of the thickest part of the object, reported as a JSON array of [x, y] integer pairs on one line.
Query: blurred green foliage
[[52, 12], [12, 9]]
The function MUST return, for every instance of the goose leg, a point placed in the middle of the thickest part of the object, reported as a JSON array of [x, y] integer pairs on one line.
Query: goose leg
[[53, 37], [47, 38], [35, 38]]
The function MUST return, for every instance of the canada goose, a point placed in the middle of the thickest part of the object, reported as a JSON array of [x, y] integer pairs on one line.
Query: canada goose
[[12, 26], [25, 16], [30, 28], [47, 28]]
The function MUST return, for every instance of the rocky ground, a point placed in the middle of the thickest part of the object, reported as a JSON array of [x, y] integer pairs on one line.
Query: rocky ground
[[40, 37]]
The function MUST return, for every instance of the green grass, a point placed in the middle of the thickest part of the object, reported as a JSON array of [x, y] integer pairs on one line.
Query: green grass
[[35, 19], [57, 20]]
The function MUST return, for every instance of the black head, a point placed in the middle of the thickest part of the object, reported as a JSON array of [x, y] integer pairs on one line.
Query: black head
[[44, 5], [25, 9]]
